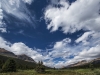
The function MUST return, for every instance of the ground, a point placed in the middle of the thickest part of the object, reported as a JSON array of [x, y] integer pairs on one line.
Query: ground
[[57, 72]]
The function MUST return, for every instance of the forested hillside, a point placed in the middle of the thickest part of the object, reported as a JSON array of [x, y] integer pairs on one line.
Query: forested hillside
[[21, 64]]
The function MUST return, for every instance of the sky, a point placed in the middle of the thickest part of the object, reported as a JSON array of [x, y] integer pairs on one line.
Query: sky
[[57, 32]]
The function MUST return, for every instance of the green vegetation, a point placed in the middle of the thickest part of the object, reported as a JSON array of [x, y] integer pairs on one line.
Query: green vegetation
[[9, 66], [91, 66], [40, 67], [56, 72], [20, 64]]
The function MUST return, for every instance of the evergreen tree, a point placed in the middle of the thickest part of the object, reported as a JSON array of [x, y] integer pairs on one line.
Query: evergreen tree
[[91, 66], [40, 67], [54, 68], [9, 66]]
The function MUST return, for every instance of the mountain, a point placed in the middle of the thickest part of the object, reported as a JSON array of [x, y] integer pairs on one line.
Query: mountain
[[85, 64], [22, 61], [79, 63], [24, 57], [6, 53]]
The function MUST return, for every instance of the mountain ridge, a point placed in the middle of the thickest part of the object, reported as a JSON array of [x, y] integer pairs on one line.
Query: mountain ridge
[[7, 53], [81, 64]]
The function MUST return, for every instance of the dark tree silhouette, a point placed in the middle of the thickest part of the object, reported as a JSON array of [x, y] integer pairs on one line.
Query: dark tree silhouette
[[40, 67], [91, 66], [9, 66]]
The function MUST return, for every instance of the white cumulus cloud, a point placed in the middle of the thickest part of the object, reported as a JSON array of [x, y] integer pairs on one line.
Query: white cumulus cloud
[[81, 14], [20, 48]]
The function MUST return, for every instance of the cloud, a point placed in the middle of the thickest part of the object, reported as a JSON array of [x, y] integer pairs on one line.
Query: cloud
[[2, 24], [17, 9], [61, 49], [28, 1], [3, 30], [62, 43], [54, 1], [86, 36], [86, 48], [89, 54], [4, 44], [93, 52], [20, 48], [81, 14], [90, 38]]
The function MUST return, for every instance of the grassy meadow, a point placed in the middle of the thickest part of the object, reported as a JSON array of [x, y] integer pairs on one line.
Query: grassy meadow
[[56, 72]]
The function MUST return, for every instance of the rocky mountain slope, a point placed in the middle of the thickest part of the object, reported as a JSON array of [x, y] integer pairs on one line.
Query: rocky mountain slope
[[6, 53], [84, 63], [24, 57]]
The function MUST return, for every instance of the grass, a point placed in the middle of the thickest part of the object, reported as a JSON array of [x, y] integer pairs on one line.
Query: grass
[[56, 72]]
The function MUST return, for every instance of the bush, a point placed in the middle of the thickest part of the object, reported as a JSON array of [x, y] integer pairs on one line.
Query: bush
[[9, 66]]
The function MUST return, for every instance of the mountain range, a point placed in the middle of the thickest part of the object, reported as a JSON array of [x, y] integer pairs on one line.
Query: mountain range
[[24, 57], [86, 64]]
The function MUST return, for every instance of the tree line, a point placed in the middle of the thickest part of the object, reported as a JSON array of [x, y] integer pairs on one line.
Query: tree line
[[8, 64], [21, 64]]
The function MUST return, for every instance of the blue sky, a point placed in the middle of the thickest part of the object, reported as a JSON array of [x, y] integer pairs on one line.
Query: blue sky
[[58, 32]]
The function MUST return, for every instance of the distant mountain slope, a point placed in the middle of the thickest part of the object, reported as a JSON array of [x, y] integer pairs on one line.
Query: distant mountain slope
[[86, 64], [79, 63], [6, 53], [24, 57]]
